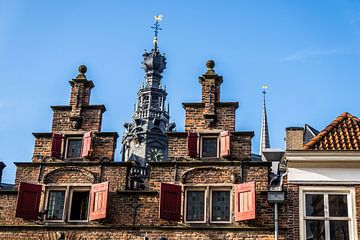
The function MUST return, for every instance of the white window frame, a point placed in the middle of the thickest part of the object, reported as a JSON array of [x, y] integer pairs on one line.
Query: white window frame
[[69, 189], [217, 146], [208, 189], [325, 191], [67, 145], [214, 189]]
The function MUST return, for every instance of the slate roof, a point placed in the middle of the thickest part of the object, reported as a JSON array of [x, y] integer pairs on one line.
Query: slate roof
[[309, 133], [342, 134]]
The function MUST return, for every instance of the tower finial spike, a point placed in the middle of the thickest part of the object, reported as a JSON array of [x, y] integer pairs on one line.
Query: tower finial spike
[[264, 134], [156, 28]]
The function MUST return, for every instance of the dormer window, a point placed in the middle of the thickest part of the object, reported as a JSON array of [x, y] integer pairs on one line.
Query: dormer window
[[73, 147]]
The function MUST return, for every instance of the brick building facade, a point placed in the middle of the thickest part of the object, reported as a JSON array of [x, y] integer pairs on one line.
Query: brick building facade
[[208, 187]]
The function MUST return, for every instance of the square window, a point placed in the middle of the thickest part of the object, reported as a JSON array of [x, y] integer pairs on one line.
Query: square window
[[220, 206], [195, 206], [79, 206], [209, 147], [55, 205], [73, 149]]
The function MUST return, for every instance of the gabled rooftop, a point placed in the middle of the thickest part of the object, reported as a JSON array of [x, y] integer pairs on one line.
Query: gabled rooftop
[[342, 134]]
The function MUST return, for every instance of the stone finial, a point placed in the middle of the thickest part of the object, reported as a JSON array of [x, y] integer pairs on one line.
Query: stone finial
[[210, 65], [82, 70]]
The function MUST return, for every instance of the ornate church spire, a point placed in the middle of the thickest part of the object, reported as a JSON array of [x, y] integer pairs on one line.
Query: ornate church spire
[[264, 134], [145, 137]]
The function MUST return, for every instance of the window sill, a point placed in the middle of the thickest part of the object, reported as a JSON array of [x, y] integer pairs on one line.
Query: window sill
[[77, 159], [137, 192], [63, 223]]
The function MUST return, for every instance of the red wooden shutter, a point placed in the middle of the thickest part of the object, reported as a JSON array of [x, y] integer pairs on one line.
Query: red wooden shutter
[[225, 144], [192, 144], [56, 145], [28, 201], [86, 144], [98, 200], [245, 208], [170, 202]]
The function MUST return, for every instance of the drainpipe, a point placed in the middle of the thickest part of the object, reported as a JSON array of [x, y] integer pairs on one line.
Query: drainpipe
[[276, 196], [276, 222]]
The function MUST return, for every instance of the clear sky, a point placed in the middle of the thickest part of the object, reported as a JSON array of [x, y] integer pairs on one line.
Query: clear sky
[[308, 52]]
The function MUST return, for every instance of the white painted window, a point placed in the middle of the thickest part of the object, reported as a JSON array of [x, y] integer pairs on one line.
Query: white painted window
[[327, 213], [209, 204]]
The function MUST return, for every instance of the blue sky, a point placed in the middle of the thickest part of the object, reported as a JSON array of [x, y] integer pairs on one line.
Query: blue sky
[[308, 52]]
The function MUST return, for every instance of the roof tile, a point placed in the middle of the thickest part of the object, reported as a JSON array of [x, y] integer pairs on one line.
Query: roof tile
[[341, 134]]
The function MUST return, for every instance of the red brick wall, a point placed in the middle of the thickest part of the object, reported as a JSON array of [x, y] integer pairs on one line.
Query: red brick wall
[[103, 147], [240, 146], [177, 146], [91, 120], [194, 117], [120, 210]]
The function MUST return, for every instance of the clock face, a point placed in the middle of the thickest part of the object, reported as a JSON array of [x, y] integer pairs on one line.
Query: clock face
[[155, 155]]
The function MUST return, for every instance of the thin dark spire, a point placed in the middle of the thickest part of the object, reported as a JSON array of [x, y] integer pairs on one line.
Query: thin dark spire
[[264, 134]]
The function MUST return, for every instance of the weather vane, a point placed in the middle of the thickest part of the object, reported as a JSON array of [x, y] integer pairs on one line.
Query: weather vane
[[156, 28], [264, 87]]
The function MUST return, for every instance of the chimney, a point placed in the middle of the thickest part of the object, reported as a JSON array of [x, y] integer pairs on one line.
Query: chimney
[[294, 138], [2, 166]]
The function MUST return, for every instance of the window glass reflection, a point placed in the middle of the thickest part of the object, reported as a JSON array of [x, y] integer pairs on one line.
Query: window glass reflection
[[314, 204]]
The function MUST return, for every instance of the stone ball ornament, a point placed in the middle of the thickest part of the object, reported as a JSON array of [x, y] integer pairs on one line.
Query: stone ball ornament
[[210, 64], [82, 69]]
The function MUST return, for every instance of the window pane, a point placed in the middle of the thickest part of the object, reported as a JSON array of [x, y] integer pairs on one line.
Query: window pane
[[315, 230], [195, 206], [220, 206], [209, 147], [74, 148], [338, 205], [55, 205], [314, 204], [339, 230], [79, 206]]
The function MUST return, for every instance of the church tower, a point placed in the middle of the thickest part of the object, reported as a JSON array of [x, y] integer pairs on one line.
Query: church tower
[[145, 138]]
